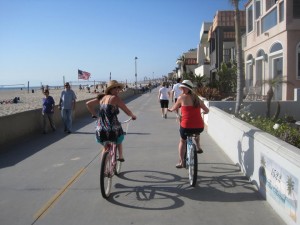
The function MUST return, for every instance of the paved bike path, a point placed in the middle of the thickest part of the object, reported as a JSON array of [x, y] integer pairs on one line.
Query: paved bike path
[[54, 179]]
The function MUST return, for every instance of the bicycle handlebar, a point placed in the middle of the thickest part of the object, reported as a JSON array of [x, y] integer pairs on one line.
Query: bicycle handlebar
[[126, 121]]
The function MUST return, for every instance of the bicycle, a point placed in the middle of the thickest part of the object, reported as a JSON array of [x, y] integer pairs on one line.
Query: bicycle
[[190, 156], [110, 165]]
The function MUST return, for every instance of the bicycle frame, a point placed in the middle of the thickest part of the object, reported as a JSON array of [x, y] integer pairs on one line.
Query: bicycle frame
[[109, 165]]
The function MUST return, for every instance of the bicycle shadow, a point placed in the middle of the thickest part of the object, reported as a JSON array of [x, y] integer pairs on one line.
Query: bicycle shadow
[[157, 190], [137, 133]]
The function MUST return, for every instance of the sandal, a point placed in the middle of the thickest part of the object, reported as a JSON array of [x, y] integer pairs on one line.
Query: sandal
[[199, 151], [121, 159], [179, 166]]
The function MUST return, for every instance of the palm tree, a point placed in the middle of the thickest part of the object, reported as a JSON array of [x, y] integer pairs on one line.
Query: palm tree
[[290, 188], [196, 80], [227, 78], [181, 61], [273, 83], [239, 58]]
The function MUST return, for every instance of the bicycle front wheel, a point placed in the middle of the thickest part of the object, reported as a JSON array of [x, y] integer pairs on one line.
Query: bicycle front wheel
[[192, 164], [106, 174], [118, 163]]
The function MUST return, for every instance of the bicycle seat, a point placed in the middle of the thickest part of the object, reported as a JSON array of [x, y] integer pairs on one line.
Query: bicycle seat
[[194, 134]]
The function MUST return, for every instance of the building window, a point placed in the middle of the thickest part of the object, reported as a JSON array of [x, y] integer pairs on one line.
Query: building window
[[227, 55], [269, 21], [257, 9], [270, 3], [281, 11], [276, 68], [249, 73], [250, 18], [298, 62], [260, 72], [276, 47], [296, 8]]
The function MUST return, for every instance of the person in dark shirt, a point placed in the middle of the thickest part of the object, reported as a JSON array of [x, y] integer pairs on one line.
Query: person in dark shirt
[[48, 111]]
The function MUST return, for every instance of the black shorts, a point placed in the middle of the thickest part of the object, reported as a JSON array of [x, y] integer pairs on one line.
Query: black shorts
[[164, 103], [184, 131]]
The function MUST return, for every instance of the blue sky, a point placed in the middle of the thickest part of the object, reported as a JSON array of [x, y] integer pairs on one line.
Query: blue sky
[[42, 41]]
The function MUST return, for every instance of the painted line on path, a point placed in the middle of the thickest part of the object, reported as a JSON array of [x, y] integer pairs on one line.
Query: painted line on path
[[55, 198]]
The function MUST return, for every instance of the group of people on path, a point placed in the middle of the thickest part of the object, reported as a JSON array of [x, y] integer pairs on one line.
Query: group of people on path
[[108, 104]]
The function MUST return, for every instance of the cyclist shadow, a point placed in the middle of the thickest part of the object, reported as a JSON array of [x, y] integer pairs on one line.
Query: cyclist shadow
[[155, 190]]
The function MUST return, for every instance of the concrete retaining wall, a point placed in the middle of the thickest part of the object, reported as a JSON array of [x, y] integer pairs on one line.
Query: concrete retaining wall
[[21, 125], [270, 163]]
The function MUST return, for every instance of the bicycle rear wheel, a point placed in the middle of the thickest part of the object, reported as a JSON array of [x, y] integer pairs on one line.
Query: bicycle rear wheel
[[106, 174], [192, 162]]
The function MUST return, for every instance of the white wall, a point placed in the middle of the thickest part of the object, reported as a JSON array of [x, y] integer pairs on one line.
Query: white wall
[[266, 160]]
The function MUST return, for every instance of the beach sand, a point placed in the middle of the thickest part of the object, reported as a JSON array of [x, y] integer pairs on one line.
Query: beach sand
[[30, 101]]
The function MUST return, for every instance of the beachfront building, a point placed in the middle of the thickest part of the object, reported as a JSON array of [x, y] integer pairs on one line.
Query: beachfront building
[[272, 46], [203, 59], [187, 62], [221, 40]]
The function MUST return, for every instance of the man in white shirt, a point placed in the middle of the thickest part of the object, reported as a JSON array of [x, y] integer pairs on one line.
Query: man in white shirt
[[176, 91]]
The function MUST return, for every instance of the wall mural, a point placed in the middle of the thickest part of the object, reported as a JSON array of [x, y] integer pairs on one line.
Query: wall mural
[[279, 184]]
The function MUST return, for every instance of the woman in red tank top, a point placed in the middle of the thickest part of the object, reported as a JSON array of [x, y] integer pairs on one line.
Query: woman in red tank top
[[191, 119]]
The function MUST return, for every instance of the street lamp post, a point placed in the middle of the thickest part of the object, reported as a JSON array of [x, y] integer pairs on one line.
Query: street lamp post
[[135, 73]]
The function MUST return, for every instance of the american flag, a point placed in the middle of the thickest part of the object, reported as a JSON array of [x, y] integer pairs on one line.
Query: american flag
[[83, 75]]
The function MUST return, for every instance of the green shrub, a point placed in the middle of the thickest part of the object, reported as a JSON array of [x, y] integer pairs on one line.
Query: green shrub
[[280, 128]]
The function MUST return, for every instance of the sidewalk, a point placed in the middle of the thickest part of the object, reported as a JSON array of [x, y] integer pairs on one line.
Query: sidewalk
[[150, 190]]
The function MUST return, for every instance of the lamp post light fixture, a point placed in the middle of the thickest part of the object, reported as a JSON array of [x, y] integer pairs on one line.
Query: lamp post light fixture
[[135, 73]]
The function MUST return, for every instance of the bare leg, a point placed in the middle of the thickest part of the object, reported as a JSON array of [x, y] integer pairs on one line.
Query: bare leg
[[181, 150], [120, 149], [197, 140]]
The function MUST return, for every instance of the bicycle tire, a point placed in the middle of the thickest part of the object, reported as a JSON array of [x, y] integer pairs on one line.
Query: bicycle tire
[[105, 175], [191, 161], [193, 168], [119, 163]]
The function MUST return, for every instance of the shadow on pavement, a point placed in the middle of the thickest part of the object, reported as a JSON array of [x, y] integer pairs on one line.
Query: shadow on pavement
[[164, 191]]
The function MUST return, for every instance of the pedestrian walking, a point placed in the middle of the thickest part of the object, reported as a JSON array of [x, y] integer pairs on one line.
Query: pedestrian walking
[[48, 111], [67, 105]]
